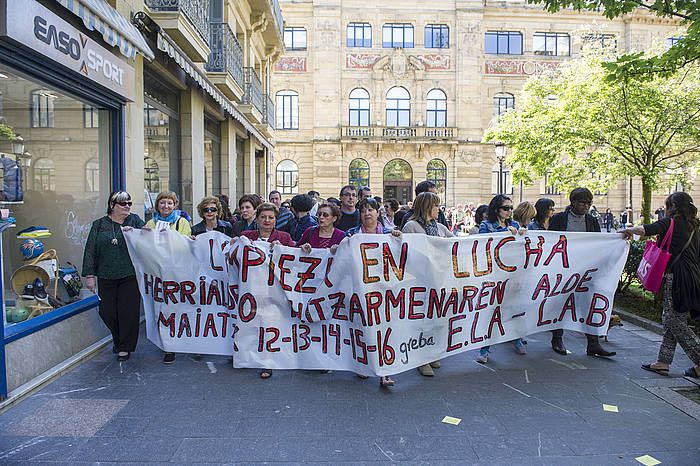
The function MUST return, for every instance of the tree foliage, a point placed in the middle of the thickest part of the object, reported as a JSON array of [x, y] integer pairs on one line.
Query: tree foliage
[[580, 128], [637, 65]]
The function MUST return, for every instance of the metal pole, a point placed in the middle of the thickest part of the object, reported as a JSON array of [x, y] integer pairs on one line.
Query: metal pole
[[501, 188]]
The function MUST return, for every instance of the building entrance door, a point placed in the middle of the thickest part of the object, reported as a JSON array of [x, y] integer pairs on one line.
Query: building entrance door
[[398, 181]]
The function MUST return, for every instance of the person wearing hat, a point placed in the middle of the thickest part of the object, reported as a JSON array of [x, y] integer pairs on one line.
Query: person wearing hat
[[109, 272]]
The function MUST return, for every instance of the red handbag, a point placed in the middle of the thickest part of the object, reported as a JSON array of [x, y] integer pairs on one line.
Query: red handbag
[[654, 261]]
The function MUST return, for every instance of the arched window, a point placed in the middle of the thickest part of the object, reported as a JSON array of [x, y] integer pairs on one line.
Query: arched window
[[287, 110], [359, 107], [502, 172], [287, 177], [398, 181], [548, 187], [92, 176], [151, 178], [437, 173], [44, 175], [359, 173], [398, 107], [437, 109], [502, 102], [42, 108]]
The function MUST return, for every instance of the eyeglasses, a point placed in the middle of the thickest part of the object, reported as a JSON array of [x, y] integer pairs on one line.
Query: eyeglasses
[[210, 209], [125, 203], [506, 207], [584, 202], [324, 214], [349, 194]]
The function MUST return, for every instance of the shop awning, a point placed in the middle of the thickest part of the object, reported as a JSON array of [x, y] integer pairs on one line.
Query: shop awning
[[116, 30], [167, 45]]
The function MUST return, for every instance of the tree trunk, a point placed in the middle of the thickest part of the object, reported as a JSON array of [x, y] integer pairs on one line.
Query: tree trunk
[[646, 201]]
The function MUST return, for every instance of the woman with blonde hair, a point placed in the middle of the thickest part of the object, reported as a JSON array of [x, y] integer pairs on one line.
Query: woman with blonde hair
[[210, 209], [426, 208], [524, 213], [166, 211]]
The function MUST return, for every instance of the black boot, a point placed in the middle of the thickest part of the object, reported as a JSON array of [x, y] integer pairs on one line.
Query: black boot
[[558, 342], [594, 348]]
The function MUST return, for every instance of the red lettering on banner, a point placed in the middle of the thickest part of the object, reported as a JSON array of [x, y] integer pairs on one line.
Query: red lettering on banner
[[542, 285], [224, 323], [202, 289], [338, 305], [148, 283], [249, 261], [284, 270], [169, 322], [474, 338], [497, 255], [540, 311], [232, 257], [569, 285], [315, 303], [436, 303], [184, 326], [452, 331], [537, 252], [211, 257], [197, 322], [455, 265], [496, 319], [170, 287], [498, 291], [394, 301], [187, 289], [489, 264], [601, 311], [248, 299], [569, 305], [308, 275], [271, 274], [468, 295], [367, 262], [356, 308], [415, 303], [214, 293], [451, 302], [554, 291], [484, 293], [326, 281], [210, 326], [559, 248], [389, 261], [232, 297], [157, 289], [373, 301], [586, 278]]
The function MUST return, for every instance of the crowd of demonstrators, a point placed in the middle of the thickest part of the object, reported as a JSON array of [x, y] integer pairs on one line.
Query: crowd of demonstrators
[[308, 221]]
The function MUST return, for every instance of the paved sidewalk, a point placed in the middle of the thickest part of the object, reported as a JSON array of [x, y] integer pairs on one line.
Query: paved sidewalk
[[538, 409]]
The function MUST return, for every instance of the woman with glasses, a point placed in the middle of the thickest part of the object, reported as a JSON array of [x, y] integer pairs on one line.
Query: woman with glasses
[[544, 208], [167, 213], [209, 209], [108, 271], [324, 235], [498, 218], [370, 222]]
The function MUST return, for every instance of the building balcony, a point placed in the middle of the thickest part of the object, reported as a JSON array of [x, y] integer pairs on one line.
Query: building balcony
[[253, 96], [267, 17], [187, 22], [268, 116], [398, 134], [225, 64]]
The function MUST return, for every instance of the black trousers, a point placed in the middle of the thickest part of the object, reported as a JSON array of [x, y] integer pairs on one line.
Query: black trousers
[[120, 306], [559, 333]]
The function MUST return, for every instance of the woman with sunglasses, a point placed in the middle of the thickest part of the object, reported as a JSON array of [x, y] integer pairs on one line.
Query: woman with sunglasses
[[109, 272], [209, 209], [324, 235], [498, 218]]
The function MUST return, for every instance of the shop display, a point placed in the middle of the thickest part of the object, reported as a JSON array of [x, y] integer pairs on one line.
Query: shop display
[[11, 180]]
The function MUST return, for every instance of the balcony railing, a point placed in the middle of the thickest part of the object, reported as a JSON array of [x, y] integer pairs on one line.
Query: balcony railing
[[226, 52], [389, 133], [253, 90], [279, 21], [269, 113], [197, 11]]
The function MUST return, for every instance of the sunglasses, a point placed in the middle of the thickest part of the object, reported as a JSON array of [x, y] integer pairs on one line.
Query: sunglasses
[[324, 214], [210, 209], [125, 203], [506, 207]]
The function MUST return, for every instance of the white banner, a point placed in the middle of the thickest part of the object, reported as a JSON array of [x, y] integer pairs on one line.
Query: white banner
[[379, 306]]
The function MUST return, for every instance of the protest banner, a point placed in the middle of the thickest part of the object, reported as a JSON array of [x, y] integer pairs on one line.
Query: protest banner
[[379, 306]]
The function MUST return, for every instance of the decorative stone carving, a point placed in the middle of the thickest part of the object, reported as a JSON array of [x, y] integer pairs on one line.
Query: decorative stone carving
[[518, 67], [361, 60], [291, 64], [327, 153], [435, 62], [468, 155]]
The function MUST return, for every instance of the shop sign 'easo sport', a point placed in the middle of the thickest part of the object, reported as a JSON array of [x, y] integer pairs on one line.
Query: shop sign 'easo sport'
[[38, 28]]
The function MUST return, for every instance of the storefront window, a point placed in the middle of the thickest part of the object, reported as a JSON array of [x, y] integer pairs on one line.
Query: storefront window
[[64, 174], [212, 158]]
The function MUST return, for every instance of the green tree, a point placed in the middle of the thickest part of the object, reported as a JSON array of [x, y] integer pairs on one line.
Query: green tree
[[580, 128], [637, 65]]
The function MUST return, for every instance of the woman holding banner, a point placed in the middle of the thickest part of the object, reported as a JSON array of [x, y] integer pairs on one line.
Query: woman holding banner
[[681, 282], [426, 207], [497, 220], [209, 209], [106, 263], [370, 223], [324, 235], [544, 208], [265, 219], [247, 205], [168, 215]]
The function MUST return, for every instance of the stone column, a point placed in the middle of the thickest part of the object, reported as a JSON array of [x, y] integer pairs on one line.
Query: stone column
[[249, 164], [191, 149], [228, 158]]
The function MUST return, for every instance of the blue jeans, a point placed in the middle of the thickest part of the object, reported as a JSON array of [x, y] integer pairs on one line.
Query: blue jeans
[[485, 350]]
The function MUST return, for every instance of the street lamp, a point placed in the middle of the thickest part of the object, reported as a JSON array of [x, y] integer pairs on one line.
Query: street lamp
[[18, 145], [501, 157]]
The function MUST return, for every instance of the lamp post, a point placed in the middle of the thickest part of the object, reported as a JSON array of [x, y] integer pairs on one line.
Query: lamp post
[[501, 157], [18, 145]]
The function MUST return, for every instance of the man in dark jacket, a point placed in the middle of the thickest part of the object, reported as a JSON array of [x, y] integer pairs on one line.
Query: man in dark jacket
[[577, 218], [422, 187]]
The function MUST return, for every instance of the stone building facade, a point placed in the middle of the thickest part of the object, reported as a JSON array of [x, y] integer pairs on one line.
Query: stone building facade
[[387, 94]]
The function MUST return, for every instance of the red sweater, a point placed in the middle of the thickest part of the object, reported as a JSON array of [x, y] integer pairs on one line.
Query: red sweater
[[283, 237]]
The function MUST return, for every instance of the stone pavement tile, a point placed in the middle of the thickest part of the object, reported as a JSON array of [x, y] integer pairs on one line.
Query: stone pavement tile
[[519, 445], [68, 418], [278, 426], [32, 449], [124, 426], [228, 450], [433, 426], [443, 447], [100, 449], [550, 424], [332, 450], [676, 458], [598, 441], [192, 422]]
